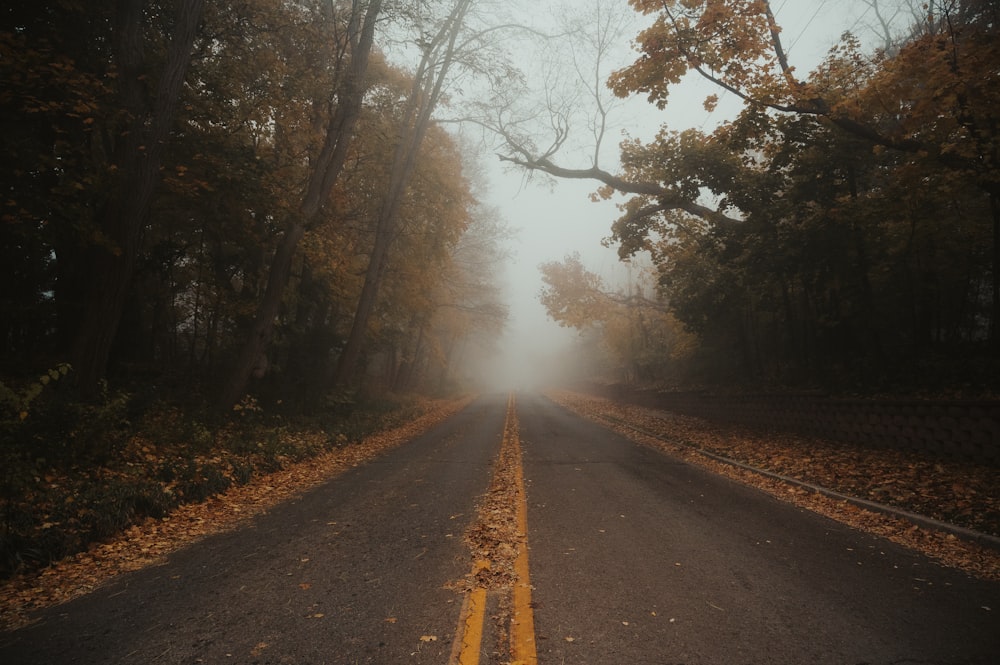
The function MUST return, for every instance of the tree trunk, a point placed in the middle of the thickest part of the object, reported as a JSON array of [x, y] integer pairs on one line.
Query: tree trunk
[[995, 305], [138, 159], [434, 67], [348, 362], [329, 164]]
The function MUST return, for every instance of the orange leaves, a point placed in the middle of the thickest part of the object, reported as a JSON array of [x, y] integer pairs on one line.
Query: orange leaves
[[729, 42], [572, 295]]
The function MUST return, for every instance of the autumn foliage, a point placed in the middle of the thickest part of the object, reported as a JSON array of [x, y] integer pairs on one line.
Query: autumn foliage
[[193, 194], [843, 229]]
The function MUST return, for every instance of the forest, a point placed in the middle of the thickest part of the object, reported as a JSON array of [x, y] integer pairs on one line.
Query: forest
[[230, 225], [233, 235]]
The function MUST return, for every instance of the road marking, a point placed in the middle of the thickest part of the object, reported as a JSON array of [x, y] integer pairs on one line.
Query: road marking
[[466, 649], [469, 637], [522, 625]]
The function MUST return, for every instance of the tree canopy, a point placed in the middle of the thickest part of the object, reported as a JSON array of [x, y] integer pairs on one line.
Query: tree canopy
[[192, 194], [843, 228]]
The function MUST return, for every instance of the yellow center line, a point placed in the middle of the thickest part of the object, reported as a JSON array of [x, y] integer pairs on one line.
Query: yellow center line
[[468, 642], [522, 628], [465, 651]]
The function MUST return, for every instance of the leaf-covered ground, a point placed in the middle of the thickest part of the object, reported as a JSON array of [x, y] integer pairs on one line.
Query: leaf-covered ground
[[967, 495], [963, 494], [149, 541]]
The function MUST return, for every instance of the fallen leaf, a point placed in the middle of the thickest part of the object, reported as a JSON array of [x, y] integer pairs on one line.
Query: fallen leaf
[[428, 638]]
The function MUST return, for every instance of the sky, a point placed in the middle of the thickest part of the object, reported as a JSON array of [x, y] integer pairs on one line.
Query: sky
[[556, 218]]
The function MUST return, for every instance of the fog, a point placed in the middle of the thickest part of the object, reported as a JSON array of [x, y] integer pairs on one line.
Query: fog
[[555, 218], [551, 221]]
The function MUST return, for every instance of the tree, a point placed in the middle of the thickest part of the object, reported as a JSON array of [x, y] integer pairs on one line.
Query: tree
[[640, 333], [440, 48], [353, 48], [138, 153], [56, 97], [270, 189], [776, 232]]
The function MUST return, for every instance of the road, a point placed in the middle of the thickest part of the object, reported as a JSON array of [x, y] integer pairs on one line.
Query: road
[[635, 557]]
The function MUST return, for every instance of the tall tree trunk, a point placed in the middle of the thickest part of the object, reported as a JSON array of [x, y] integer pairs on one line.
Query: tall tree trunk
[[350, 355], [406, 373], [994, 333], [329, 164], [439, 55], [138, 157]]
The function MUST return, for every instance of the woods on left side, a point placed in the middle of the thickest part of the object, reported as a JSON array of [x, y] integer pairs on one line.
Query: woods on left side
[[234, 220]]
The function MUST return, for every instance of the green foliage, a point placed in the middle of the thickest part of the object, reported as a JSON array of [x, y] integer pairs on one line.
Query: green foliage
[[109, 510], [16, 405]]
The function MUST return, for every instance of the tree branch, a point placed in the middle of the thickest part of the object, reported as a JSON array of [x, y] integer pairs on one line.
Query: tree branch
[[667, 200]]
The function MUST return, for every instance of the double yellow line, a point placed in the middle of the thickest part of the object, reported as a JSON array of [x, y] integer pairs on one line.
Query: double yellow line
[[468, 642]]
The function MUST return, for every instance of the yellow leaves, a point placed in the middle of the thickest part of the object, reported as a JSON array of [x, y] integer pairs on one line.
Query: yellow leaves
[[603, 193], [711, 102], [572, 301], [729, 41]]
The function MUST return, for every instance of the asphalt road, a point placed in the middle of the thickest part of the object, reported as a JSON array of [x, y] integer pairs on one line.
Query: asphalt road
[[640, 558], [634, 558], [353, 572]]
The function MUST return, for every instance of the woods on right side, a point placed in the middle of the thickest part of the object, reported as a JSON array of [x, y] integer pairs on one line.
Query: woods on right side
[[842, 231]]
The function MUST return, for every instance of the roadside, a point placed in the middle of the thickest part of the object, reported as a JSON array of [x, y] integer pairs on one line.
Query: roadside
[[962, 494], [965, 495], [149, 542]]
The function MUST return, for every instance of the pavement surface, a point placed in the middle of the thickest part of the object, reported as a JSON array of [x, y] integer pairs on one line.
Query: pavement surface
[[635, 557], [640, 558]]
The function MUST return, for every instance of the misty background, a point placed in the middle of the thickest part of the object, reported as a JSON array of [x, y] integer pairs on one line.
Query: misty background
[[554, 218]]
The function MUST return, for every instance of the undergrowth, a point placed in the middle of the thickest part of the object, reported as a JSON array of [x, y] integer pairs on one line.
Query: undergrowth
[[76, 472]]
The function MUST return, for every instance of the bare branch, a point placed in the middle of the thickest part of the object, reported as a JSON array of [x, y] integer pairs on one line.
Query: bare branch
[[668, 200]]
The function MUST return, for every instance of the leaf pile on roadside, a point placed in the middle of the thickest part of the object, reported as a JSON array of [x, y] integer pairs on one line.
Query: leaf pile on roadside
[[153, 539]]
